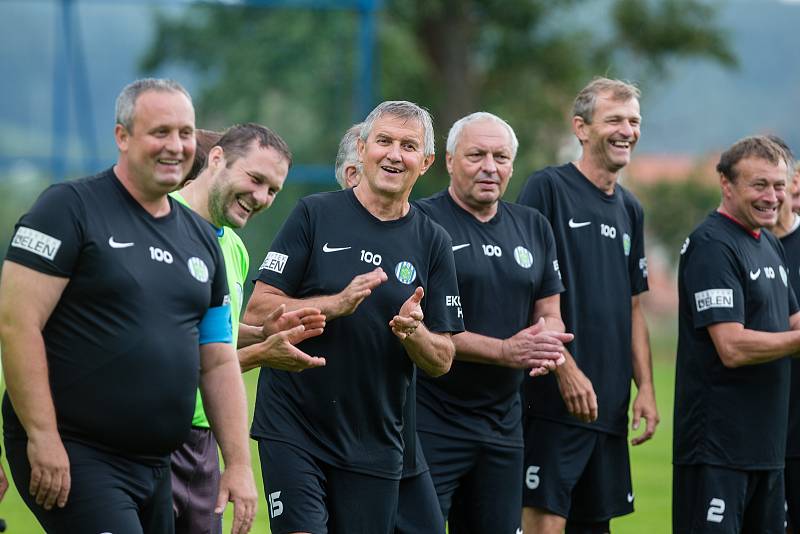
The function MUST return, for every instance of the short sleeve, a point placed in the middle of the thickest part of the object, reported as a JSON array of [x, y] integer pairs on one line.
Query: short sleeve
[[536, 194], [49, 238], [442, 304], [637, 261], [287, 259], [712, 284], [551, 276]]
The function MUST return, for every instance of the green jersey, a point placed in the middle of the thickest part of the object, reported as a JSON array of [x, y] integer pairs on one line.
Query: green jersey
[[237, 264]]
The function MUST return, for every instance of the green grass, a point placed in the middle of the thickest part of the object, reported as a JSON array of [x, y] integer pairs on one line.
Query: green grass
[[652, 473]]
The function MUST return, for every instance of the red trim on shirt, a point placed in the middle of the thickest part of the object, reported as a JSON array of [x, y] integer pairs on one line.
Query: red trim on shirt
[[755, 233]]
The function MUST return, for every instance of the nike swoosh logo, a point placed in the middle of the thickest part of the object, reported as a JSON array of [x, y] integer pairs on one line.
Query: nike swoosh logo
[[326, 248], [115, 244], [573, 224], [755, 275], [630, 497], [459, 247]]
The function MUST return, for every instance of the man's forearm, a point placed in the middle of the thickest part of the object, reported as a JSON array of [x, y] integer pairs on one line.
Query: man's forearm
[[640, 347], [263, 303], [432, 352], [472, 347], [225, 403], [27, 381]]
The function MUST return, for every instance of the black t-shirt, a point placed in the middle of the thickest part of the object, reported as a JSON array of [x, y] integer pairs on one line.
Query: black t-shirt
[[122, 343], [791, 247], [504, 266], [350, 412], [730, 417], [600, 247]]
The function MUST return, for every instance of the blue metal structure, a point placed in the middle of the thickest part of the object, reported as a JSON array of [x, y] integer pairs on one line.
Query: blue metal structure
[[71, 77]]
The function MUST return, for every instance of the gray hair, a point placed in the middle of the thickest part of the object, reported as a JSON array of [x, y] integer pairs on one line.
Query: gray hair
[[348, 153], [403, 110], [126, 101], [455, 131], [586, 100]]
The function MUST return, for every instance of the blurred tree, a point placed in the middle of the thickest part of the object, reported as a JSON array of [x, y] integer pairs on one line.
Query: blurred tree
[[522, 59], [673, 209]]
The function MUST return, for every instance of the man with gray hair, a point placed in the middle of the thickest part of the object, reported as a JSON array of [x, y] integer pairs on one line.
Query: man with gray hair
[[347, 174], [330, 438], [577, 465], [113, 302], [470, 420]]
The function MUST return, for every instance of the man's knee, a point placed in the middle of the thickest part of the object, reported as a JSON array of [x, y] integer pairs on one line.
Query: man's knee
[[540, 521]]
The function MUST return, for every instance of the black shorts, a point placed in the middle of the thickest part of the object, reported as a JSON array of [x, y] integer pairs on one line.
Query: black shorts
[[576, 473], [418, 508], [305, 494], [707, 498], [109, 493], [195, 484], [791, 476], [478, 484]]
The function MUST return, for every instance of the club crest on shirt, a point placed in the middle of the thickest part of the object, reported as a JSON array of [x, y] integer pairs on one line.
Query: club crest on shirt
[[198, 269], [405, 272], [626, 244], [524, 257], [784, 275]]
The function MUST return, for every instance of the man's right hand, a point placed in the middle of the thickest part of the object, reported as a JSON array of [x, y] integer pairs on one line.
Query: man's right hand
[[356, 291], [535, 348], [577, 392], [279, 320], [50, 476], [278, 351]]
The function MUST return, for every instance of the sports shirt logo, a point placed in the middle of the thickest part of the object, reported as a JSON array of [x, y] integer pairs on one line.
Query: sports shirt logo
[[459, 247], [756, 274], [34, 241], [523, 257], [275, 261], [405, 272], [713, 298], [630, 496], [198, 268], [626, 244], [784, 275], [573, 224], [326, 248], [685, 246], [117, 244]]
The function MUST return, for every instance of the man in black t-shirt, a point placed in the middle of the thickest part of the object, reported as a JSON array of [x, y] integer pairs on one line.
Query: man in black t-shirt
[[785, 229], [470, 420], [113, 301], [330, 438], [576, 453], [417, 505], [738, 318]]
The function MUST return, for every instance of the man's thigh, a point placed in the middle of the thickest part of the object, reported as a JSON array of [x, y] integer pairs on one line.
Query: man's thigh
[[418, 507], [450, 460], [295, 488], [792, 486], [490, 498], [716, 499], [554, 460], [604, 489], [361, 504], [195, 484], [108, 493]]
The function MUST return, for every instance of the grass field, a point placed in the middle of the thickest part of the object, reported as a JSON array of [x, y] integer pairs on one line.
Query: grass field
[[652, 473]]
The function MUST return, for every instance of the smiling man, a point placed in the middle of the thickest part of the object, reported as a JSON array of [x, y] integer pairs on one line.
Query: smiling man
[[738, 318], [239, 175], [113, 302], [576, 452], [382, 273], [470, 420]]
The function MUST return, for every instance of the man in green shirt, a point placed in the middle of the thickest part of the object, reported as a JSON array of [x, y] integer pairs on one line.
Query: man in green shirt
[[242, 172]]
